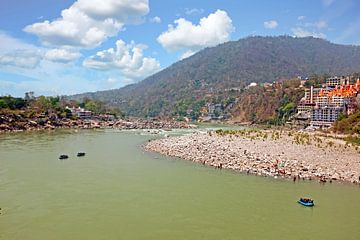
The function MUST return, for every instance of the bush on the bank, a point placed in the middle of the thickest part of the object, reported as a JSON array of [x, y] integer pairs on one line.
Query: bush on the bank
[[353, 140], [348, 124], [11, 102]]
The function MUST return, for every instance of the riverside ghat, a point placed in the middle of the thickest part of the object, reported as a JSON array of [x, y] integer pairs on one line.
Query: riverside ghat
[[285, 154]]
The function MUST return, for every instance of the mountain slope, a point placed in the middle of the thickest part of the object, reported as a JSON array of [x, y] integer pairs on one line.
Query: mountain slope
[[231, 65]]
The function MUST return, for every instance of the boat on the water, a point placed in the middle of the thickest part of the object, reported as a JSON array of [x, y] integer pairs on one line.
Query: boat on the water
[[62, 157], [308, 202], [80, 154]]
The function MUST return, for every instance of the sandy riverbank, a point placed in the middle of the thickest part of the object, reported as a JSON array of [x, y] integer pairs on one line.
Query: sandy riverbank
[[277, 154]]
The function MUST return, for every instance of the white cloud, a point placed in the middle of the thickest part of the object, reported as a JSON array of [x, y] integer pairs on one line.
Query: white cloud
[[300, 18], [26, 68], [16, 53], [212, 30], [318, 24], [61, 55], [191, 11], [9, 43], [89, 23], [300, 32], [128, 58], [271, 24], [24, 58], [155, 19], [119, 10]]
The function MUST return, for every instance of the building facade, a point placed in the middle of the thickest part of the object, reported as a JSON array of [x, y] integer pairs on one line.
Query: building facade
[[324, 105], [80, 112]]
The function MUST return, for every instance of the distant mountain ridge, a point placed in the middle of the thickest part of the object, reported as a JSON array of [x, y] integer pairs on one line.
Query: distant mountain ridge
[[231, 65]]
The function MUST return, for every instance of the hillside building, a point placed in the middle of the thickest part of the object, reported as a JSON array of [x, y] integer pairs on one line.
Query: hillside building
[[324, 105]]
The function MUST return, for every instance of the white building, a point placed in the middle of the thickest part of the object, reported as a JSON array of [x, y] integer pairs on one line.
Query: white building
[[80, 112]]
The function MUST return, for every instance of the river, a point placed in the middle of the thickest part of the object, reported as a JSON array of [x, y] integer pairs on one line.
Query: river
[[118, 191]]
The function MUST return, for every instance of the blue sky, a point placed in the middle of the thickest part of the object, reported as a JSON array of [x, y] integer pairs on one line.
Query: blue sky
[[74, 46]]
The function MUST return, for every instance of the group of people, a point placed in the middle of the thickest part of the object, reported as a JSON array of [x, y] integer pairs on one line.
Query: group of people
[[306, 200]]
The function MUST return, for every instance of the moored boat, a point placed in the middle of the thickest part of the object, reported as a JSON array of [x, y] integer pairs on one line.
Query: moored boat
[[308, 202], [63, 156], [80, 154]]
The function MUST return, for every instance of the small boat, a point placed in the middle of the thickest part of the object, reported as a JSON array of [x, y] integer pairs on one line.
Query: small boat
[[62, 157], [80, 154], [308, 202]]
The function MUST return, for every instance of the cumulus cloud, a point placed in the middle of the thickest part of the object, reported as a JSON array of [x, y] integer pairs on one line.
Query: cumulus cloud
[[271, 24], [61, 55], [120, 10], [128, 58], [24, 58], [155, 19], [212, 30], [89, 23], [300, 32]]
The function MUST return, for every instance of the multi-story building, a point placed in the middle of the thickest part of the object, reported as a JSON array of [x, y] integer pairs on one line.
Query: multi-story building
[[325, 116], [303, 108], [326, 104], [334, 81]]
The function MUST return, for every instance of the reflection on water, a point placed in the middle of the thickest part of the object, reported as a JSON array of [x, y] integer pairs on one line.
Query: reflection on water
[[118, 191]]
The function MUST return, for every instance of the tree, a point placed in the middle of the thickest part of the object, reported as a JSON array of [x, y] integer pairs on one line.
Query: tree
[[3, 104], [12, 103]]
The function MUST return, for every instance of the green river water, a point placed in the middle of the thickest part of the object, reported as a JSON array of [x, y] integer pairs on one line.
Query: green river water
[[118, 191]]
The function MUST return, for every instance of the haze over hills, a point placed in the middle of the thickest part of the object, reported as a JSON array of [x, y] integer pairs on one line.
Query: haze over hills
[[206, 75]]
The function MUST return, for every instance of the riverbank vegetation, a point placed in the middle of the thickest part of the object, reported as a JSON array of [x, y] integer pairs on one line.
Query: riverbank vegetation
[[29, 113], [52, 105], [348, 124]]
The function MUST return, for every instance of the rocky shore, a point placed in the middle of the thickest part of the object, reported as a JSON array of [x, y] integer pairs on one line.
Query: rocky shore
[[17, 122], [276, 154], [150, 124]]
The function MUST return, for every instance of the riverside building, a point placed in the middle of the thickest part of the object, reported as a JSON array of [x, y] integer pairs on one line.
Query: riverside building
[[80, 112], [324, 105]]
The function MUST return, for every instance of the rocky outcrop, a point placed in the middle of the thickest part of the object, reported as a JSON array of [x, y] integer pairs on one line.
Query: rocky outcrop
[[151, 124]]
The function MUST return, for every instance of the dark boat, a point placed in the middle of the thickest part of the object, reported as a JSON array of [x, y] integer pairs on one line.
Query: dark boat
[[308, 202], [62, 157], [81, 154]]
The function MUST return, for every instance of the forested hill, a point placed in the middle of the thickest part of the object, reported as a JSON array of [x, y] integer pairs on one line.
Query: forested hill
[[231, 65]]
